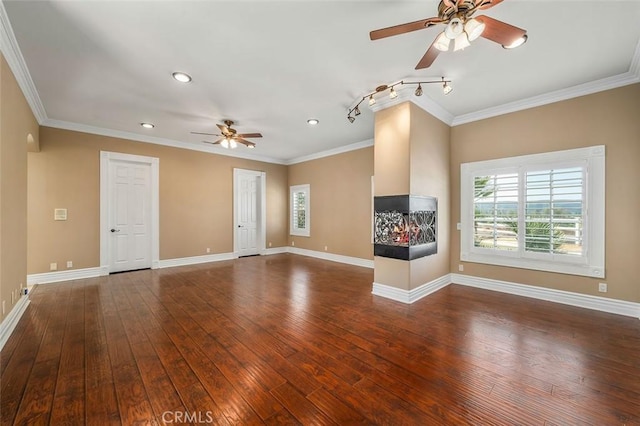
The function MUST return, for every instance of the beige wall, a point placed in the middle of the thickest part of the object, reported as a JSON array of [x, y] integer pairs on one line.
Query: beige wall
[[429, 164], [412, 157], [16, 123], [196, 199], [340, 203], [610, 118]]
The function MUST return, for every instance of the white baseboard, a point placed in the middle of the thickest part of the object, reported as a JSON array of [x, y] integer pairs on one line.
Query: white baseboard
[[195, 260], [410, 296], [275, 250], [57, 276], [614, 306], [9, 324], [356, 261]]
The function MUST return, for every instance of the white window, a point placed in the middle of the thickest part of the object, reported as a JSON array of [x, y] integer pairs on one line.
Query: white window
[[541, 211], [300, 213]]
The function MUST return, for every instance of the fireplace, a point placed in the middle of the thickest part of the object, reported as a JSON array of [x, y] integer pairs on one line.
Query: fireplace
[[405, 226]]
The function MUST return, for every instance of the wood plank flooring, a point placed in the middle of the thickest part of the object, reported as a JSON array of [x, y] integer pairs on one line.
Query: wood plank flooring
[[287, 339]]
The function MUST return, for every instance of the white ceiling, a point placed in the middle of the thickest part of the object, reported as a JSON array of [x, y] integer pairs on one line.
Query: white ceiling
[[105, 66]]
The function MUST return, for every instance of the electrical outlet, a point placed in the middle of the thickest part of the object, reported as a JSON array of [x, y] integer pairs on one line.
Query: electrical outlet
[[208, 250], [458, 226], [269, 243], [325, 248], [69, 264], [461, 267], [602, 287], [293, 243], [53, 266]]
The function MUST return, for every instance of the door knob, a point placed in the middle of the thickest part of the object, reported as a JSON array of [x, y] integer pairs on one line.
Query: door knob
[[115, 230]]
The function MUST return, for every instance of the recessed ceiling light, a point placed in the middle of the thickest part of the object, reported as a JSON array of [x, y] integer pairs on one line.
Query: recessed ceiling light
[[313, 121], [147, 125], [181, 77]]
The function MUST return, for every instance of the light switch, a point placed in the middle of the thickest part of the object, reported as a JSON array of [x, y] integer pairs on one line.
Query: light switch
[[59, 214]]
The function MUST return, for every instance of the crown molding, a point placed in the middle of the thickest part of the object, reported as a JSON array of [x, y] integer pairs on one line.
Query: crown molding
[[13, 55], [330, 152], [630, 77], [425, 102], [66, 125]]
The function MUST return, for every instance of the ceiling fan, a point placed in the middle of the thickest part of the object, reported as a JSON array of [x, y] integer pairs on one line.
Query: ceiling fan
[[230, 137], [461, 28]]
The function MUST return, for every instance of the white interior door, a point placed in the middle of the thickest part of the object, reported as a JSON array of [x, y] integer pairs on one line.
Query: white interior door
[[129, 215], [248, 212]]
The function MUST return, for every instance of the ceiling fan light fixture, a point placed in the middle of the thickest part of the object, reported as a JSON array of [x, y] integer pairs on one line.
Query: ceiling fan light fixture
[[182, 77], [442, 42], [474, 28], [418, 90], [251, 146], [233, 144], [225, 143], [461, 42], [517, 42], [454, 29], [372, 101]]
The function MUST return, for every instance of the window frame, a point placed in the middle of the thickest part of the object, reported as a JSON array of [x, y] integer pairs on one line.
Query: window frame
[[591, 262], [293, 225]]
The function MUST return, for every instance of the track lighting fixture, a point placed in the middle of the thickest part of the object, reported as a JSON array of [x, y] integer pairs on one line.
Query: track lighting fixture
[[355, 111]]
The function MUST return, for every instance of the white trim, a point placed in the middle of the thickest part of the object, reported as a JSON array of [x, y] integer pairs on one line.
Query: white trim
[[355, 261], [328, 153], [614, 306], [57, 276], [10, 321], [105, 158], [195, 260], [119, 134], [589, 88], [275, 250], [410, 296], [424, 102], [13, 55]]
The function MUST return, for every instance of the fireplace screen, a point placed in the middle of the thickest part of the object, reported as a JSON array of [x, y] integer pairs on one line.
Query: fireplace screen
[[405, 226]]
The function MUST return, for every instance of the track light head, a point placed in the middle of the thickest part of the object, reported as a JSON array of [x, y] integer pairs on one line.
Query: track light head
[[356, 111], [372, 101], [419, 90], [351, 118]]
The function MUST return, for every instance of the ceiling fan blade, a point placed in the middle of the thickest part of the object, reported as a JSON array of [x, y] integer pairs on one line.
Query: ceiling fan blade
[[223, 128], [249, 135], [404, 28], [208, 134], [245, 142], [500, 32], [430, 55], [486, 4]]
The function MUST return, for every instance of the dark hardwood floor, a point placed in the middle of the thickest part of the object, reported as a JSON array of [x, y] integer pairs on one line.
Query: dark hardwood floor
[[287, 339]]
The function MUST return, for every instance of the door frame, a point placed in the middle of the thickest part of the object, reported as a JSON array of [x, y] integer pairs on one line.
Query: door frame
[[105, 160], [261, 178]]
